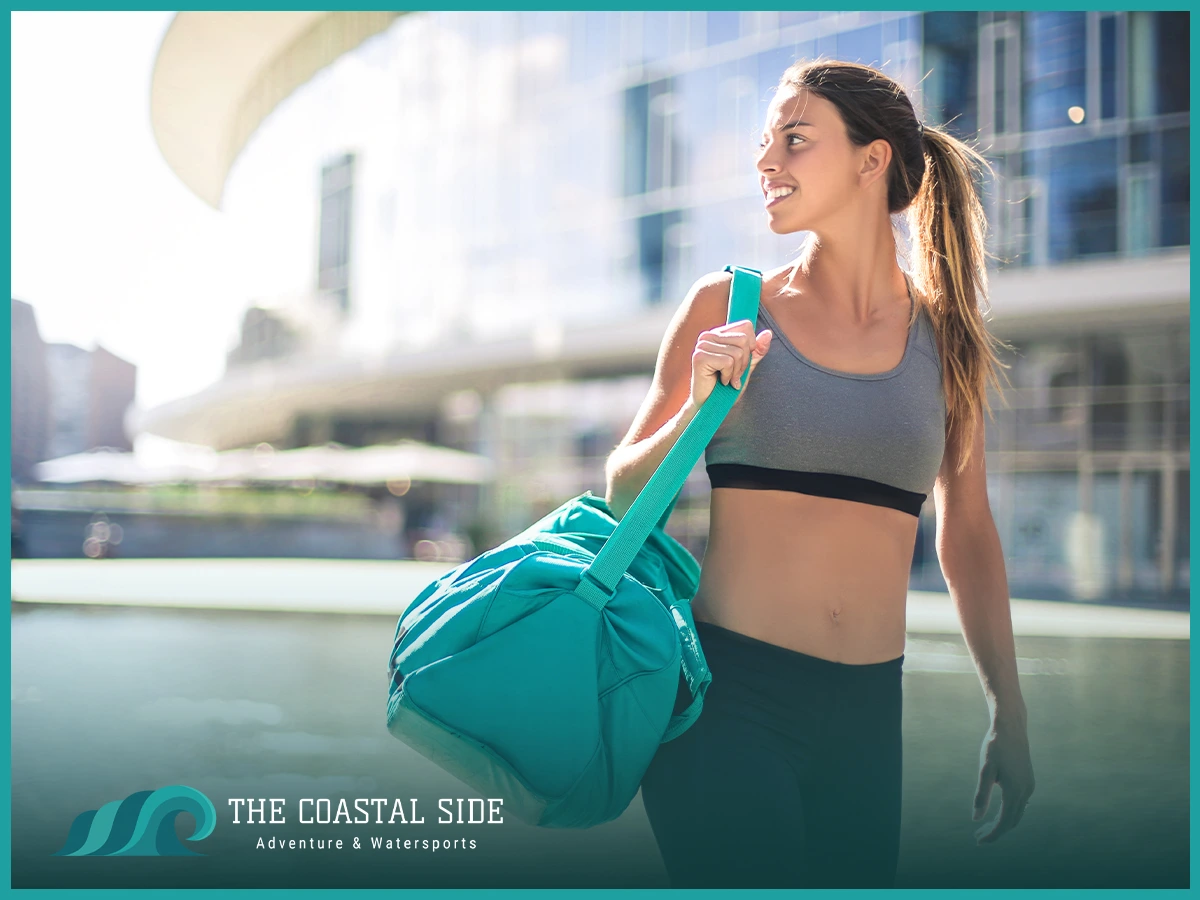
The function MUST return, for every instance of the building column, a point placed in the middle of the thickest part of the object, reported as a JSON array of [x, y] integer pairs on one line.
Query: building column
[[1166, 549], [489, 443], [1125, 539], [1167, 500], [1085, 552], [1087, 483]]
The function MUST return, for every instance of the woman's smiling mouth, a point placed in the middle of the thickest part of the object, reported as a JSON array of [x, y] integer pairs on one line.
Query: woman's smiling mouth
[[778, 195]]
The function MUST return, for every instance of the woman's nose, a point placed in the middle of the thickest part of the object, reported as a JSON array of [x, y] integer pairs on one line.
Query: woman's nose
[[765, 161]]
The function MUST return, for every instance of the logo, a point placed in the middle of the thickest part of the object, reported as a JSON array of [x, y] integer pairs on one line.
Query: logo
[[143, 824]]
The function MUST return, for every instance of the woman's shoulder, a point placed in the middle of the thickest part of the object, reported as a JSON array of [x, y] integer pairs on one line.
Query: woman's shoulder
[[711, 285], [711, 291], [707, 300]]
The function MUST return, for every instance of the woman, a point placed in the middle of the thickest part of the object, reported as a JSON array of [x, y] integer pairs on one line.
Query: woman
[[872, 394]]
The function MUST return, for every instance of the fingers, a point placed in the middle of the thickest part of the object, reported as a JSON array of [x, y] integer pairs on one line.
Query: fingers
[[1012, 808], [1004, 760], [762, 344], [725, 358], [983, 793], [715, 358], [737, 342]]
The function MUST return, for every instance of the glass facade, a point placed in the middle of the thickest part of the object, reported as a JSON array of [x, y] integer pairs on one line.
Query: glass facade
[[572, 168], [1094, 104], [1087, 462]]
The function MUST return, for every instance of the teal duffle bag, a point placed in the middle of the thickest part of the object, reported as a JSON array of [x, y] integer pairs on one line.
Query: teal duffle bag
[[547, 671]]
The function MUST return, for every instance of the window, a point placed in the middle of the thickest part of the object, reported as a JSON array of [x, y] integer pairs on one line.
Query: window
[[771, 65], [652, 152], [1081, 198], [637, 106], [951, 59], [662, 163], [1108, 67], [1180, 377], [1055, 68], [700, 126], [543, 48], [1022, 221], [864, 45], [1000, 77], [1176, 182], [654, 252], [1036, 549], [333, 260], [1174, 62], [1183, 529], [1139, 214], [1159, 63], [1045, 404], [1110, 380], [998, 81], [1127, 508], [595, 44], [656, 36], [1140, 146], [721, 27], [796, 17], [1140, 27]]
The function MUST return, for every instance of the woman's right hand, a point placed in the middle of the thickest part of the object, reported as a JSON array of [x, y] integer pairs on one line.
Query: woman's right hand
[[690, 360], [729, 352]]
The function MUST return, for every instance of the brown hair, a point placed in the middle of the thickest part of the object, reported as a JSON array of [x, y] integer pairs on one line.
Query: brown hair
[[933, 176]]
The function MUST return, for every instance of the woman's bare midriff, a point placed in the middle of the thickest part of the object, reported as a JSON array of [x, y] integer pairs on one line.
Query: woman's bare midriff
[[817, 575]]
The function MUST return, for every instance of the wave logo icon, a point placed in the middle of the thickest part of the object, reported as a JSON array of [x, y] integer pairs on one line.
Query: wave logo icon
[[143, 824]]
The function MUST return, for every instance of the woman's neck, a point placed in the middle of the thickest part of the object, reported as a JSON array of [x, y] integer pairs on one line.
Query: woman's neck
[[855, 278]]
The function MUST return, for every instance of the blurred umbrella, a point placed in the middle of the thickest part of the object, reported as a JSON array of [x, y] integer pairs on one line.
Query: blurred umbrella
[[407, 460], [415, 462], [109, 464], [268, 465]]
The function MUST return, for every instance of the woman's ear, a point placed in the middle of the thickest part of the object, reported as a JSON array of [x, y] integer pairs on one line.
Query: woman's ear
[[875, 158]]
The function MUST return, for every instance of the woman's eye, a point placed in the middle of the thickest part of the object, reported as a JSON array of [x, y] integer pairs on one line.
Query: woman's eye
[[762, 144]]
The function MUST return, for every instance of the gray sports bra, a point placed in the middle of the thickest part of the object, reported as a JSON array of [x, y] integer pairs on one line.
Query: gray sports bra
[[799, 426]]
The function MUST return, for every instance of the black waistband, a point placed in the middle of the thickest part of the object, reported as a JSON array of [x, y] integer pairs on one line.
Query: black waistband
[[720, 644], [820, 484]]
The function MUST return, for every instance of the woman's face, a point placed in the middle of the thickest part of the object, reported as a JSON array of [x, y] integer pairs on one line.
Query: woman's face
[[804, 147]]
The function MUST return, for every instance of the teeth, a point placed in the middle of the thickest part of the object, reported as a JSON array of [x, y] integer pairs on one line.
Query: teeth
[[779, 192]]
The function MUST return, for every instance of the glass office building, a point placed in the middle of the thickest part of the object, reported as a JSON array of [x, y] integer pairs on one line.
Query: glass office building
[[472, 178]]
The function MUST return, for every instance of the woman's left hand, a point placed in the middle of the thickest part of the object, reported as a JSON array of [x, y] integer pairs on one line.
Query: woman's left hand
[[1003, 760]]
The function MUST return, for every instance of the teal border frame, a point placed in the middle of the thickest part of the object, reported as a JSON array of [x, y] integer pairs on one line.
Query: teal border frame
[[6, 747]]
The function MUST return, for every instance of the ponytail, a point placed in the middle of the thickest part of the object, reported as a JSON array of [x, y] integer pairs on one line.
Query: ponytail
[[949, 262]]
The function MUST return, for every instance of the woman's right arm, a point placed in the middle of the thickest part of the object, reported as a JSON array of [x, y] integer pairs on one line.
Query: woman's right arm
[[698, 348]]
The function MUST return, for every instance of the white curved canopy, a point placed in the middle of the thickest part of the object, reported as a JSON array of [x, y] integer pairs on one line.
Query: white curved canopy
[[217, 75]]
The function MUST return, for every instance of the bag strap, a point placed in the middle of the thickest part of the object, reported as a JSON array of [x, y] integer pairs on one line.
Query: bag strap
[[741, 307], [656, 499]]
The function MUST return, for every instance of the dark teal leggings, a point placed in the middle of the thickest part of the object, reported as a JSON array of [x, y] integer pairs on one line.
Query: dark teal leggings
[[790, 777]]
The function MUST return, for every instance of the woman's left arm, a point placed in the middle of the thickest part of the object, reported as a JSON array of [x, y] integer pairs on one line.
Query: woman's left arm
[[972, 561]]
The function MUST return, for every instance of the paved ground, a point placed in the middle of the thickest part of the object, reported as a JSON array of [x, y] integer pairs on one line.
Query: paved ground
[[118, 696], [383, 587]]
